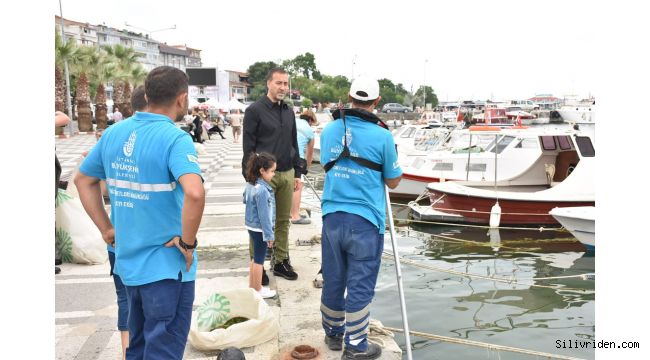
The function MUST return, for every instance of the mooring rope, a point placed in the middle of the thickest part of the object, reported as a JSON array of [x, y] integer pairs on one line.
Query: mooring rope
[[379, 328], [540, 229], [502, 243]]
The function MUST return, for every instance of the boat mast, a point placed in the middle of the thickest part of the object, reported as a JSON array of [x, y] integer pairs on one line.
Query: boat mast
[[469, 153]]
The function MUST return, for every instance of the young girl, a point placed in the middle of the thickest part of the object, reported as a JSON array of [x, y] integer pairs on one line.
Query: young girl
[[260, 215]]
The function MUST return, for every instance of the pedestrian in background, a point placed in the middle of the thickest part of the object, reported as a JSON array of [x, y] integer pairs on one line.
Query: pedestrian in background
[[270, 126], [235, 122], [260, 215], [306, 149], [60, 119], [197, 127], [117, 115], [205, 123], [219, 126], [354, 218], [156, 208]]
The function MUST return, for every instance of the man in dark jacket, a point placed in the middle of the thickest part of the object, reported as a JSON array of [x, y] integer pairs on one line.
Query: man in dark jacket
[[270, 126]]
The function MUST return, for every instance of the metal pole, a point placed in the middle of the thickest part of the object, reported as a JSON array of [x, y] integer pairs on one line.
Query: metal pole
[[398, 271], [496, 142], [67, 75], [312, 188], [469, 153], [424, 87]]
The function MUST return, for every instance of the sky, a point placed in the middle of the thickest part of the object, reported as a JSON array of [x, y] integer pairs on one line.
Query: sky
[[464, 50]]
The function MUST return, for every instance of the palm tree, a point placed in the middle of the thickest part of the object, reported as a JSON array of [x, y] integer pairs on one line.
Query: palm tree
[[135, 75], [138, 75], [62, 53], [126, 57], [82, 65], [102, 70]]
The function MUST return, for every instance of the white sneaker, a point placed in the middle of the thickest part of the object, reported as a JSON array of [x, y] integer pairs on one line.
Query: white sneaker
[[266, 293]]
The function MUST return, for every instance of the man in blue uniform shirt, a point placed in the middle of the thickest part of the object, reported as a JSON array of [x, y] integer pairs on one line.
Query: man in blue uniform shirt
[[354, 218], [156, 191]]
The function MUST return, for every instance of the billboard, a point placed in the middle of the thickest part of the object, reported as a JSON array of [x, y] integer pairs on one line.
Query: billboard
[[202, 76]]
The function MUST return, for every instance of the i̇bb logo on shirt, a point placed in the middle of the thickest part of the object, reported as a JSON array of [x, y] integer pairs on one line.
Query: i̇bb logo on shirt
[[348, 137], [129, 145]]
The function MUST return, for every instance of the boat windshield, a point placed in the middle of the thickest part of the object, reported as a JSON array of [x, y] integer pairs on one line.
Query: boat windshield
[[501, 143], [430, 139], [462, 141], [408, 132]]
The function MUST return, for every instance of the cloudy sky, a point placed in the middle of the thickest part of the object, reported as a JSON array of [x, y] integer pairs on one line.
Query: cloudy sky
[[463, 49]]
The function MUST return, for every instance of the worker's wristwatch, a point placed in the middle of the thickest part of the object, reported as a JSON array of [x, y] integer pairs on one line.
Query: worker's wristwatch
[[185, 245]]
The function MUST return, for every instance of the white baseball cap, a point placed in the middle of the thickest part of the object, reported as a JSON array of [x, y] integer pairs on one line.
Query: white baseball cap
[[364, 88]]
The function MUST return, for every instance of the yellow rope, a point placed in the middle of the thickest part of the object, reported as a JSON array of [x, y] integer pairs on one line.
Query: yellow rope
[[482, 344], [540, 229], [487, 244]]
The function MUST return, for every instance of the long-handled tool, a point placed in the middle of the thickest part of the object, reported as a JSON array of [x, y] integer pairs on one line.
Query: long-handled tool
[[398, 271], [312, 188]]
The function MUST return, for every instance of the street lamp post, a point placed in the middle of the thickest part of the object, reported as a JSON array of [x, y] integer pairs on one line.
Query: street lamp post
[[424, 86], [149, 32], [67, 75]]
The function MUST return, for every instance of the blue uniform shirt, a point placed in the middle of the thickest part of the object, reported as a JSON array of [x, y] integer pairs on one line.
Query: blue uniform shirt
[[350, 187], [141, 160], [305, 134]]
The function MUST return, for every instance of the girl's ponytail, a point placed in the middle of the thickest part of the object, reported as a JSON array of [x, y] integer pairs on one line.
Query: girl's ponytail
[[255, 163]]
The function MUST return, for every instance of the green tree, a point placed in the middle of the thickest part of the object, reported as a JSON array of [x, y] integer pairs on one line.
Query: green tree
[[82, 65], [431, 97], [126, 59], [62, 53], [257, 77], [306, 102], [304, 64], [391, 93]]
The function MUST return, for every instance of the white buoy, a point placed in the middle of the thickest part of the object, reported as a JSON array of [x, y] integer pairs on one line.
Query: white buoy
[[495, 239], [495, 215]]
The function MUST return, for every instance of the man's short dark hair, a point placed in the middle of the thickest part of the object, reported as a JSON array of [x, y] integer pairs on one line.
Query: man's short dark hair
[[164, 84], [274, 70], [365, 103], [138, 102]]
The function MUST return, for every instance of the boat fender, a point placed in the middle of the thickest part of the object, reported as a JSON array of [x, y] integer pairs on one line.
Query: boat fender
[[495, 215], [495, 239]]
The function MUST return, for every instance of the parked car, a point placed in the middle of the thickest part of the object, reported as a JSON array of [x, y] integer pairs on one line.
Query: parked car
[[395, 107]]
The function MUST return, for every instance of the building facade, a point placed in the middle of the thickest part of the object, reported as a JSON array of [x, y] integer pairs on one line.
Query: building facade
[[151, 53], [193, 55], [171, 56], [83, 34], [146, 48], [238, 85]]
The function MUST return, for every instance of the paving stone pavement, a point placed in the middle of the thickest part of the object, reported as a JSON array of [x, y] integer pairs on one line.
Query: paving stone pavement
[[86, 309]]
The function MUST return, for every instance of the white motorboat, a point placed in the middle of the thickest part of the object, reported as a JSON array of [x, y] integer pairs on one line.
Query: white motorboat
[[525, 156], [581, 112], [570, 165], [580, 221], [323, 119], [418, 140]]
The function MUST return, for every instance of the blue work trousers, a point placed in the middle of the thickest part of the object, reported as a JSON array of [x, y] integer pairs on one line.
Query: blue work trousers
[[351, 253], [122, 301], [160, 314]]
